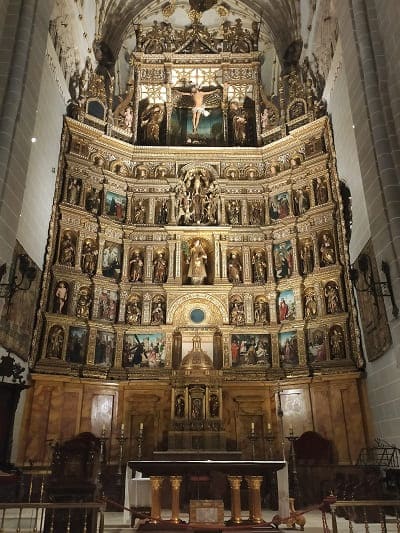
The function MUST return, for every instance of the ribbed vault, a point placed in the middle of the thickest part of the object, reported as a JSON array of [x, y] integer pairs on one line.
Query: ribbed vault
[[280, 19]]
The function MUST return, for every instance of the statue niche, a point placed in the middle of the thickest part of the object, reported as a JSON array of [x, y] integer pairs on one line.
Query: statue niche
[[152, 123], [197, 261]]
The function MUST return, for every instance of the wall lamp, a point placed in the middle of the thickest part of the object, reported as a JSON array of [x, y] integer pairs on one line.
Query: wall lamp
[[364, 281], [21, 281]]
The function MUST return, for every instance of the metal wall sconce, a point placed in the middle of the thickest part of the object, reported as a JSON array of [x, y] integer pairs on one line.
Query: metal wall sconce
[[365, 275], [21, 281]]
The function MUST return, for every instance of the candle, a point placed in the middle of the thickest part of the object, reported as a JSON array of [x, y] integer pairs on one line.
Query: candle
[[252, 427], [104, 428], [122, 428], [291, 430], [269, 426], [141, 426]]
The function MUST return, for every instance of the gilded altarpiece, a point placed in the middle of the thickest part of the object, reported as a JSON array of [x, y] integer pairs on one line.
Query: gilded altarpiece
[[197, 208]]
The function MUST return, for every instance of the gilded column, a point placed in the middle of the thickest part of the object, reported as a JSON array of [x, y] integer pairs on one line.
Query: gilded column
[[148, 264], [236, 510], [175, 504], [152, 205], [217, 259], [254, 485], [224, 272], [171, 262], [172, 210], [156, 483], [125, 261], [275, 351], [267, 219], [245, 212], [119, 345], [178, 260], [246, 264]]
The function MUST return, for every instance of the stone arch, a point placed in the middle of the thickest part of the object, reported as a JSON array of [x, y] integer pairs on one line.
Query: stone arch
[[216, 313]]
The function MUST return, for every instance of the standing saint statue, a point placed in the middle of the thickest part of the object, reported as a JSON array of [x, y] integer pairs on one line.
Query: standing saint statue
[[197, 264]]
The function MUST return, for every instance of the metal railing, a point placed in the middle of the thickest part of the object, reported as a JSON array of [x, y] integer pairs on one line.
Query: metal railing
[[361, 514], [52, 517]]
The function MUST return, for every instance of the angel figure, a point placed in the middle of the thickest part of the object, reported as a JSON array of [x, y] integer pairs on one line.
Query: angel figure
[[150, 121]]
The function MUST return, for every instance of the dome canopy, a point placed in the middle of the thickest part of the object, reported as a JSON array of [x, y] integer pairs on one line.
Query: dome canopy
[[196, 359]]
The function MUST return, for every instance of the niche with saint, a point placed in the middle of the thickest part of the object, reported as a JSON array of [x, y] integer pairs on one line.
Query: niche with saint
[[198, 262]]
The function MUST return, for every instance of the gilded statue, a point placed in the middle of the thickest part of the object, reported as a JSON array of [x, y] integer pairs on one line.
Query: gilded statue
[[136, 266], [327, 252], [197, 260], [234, 268], [133, 313], [259, 267], [83, 303], [160, 268]]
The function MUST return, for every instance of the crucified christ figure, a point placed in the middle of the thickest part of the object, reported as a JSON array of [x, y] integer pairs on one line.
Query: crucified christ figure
[[198, 108]]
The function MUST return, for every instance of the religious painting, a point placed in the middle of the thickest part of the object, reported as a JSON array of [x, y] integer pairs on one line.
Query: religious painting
[[279, 206], [112, 260], [104, 350], [316, 349], [288, 351], [17, 318], [371, 306], [197, 118], [115, 206], [283, 259], [286, 306], [108, 305], [61, 295], [251, 349], [146, 350], [76, 345]]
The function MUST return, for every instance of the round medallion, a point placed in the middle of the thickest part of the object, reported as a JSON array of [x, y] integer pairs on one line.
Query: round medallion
[[197, 316]]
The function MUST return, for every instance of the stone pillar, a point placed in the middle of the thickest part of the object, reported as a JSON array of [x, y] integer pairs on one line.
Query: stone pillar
[[236, 510], [267, 219], [125, 261], [129, 201], [270, 261], [156, 483], [175, 485], [223, 211], [91, 346], [146, 311], [254, 485], [249, 308]]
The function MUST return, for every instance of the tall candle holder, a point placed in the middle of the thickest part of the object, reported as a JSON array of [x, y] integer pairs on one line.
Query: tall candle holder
[[121, 440], [294, 480], [103, 442], [139, 439], [253, 438], [269, 438]]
